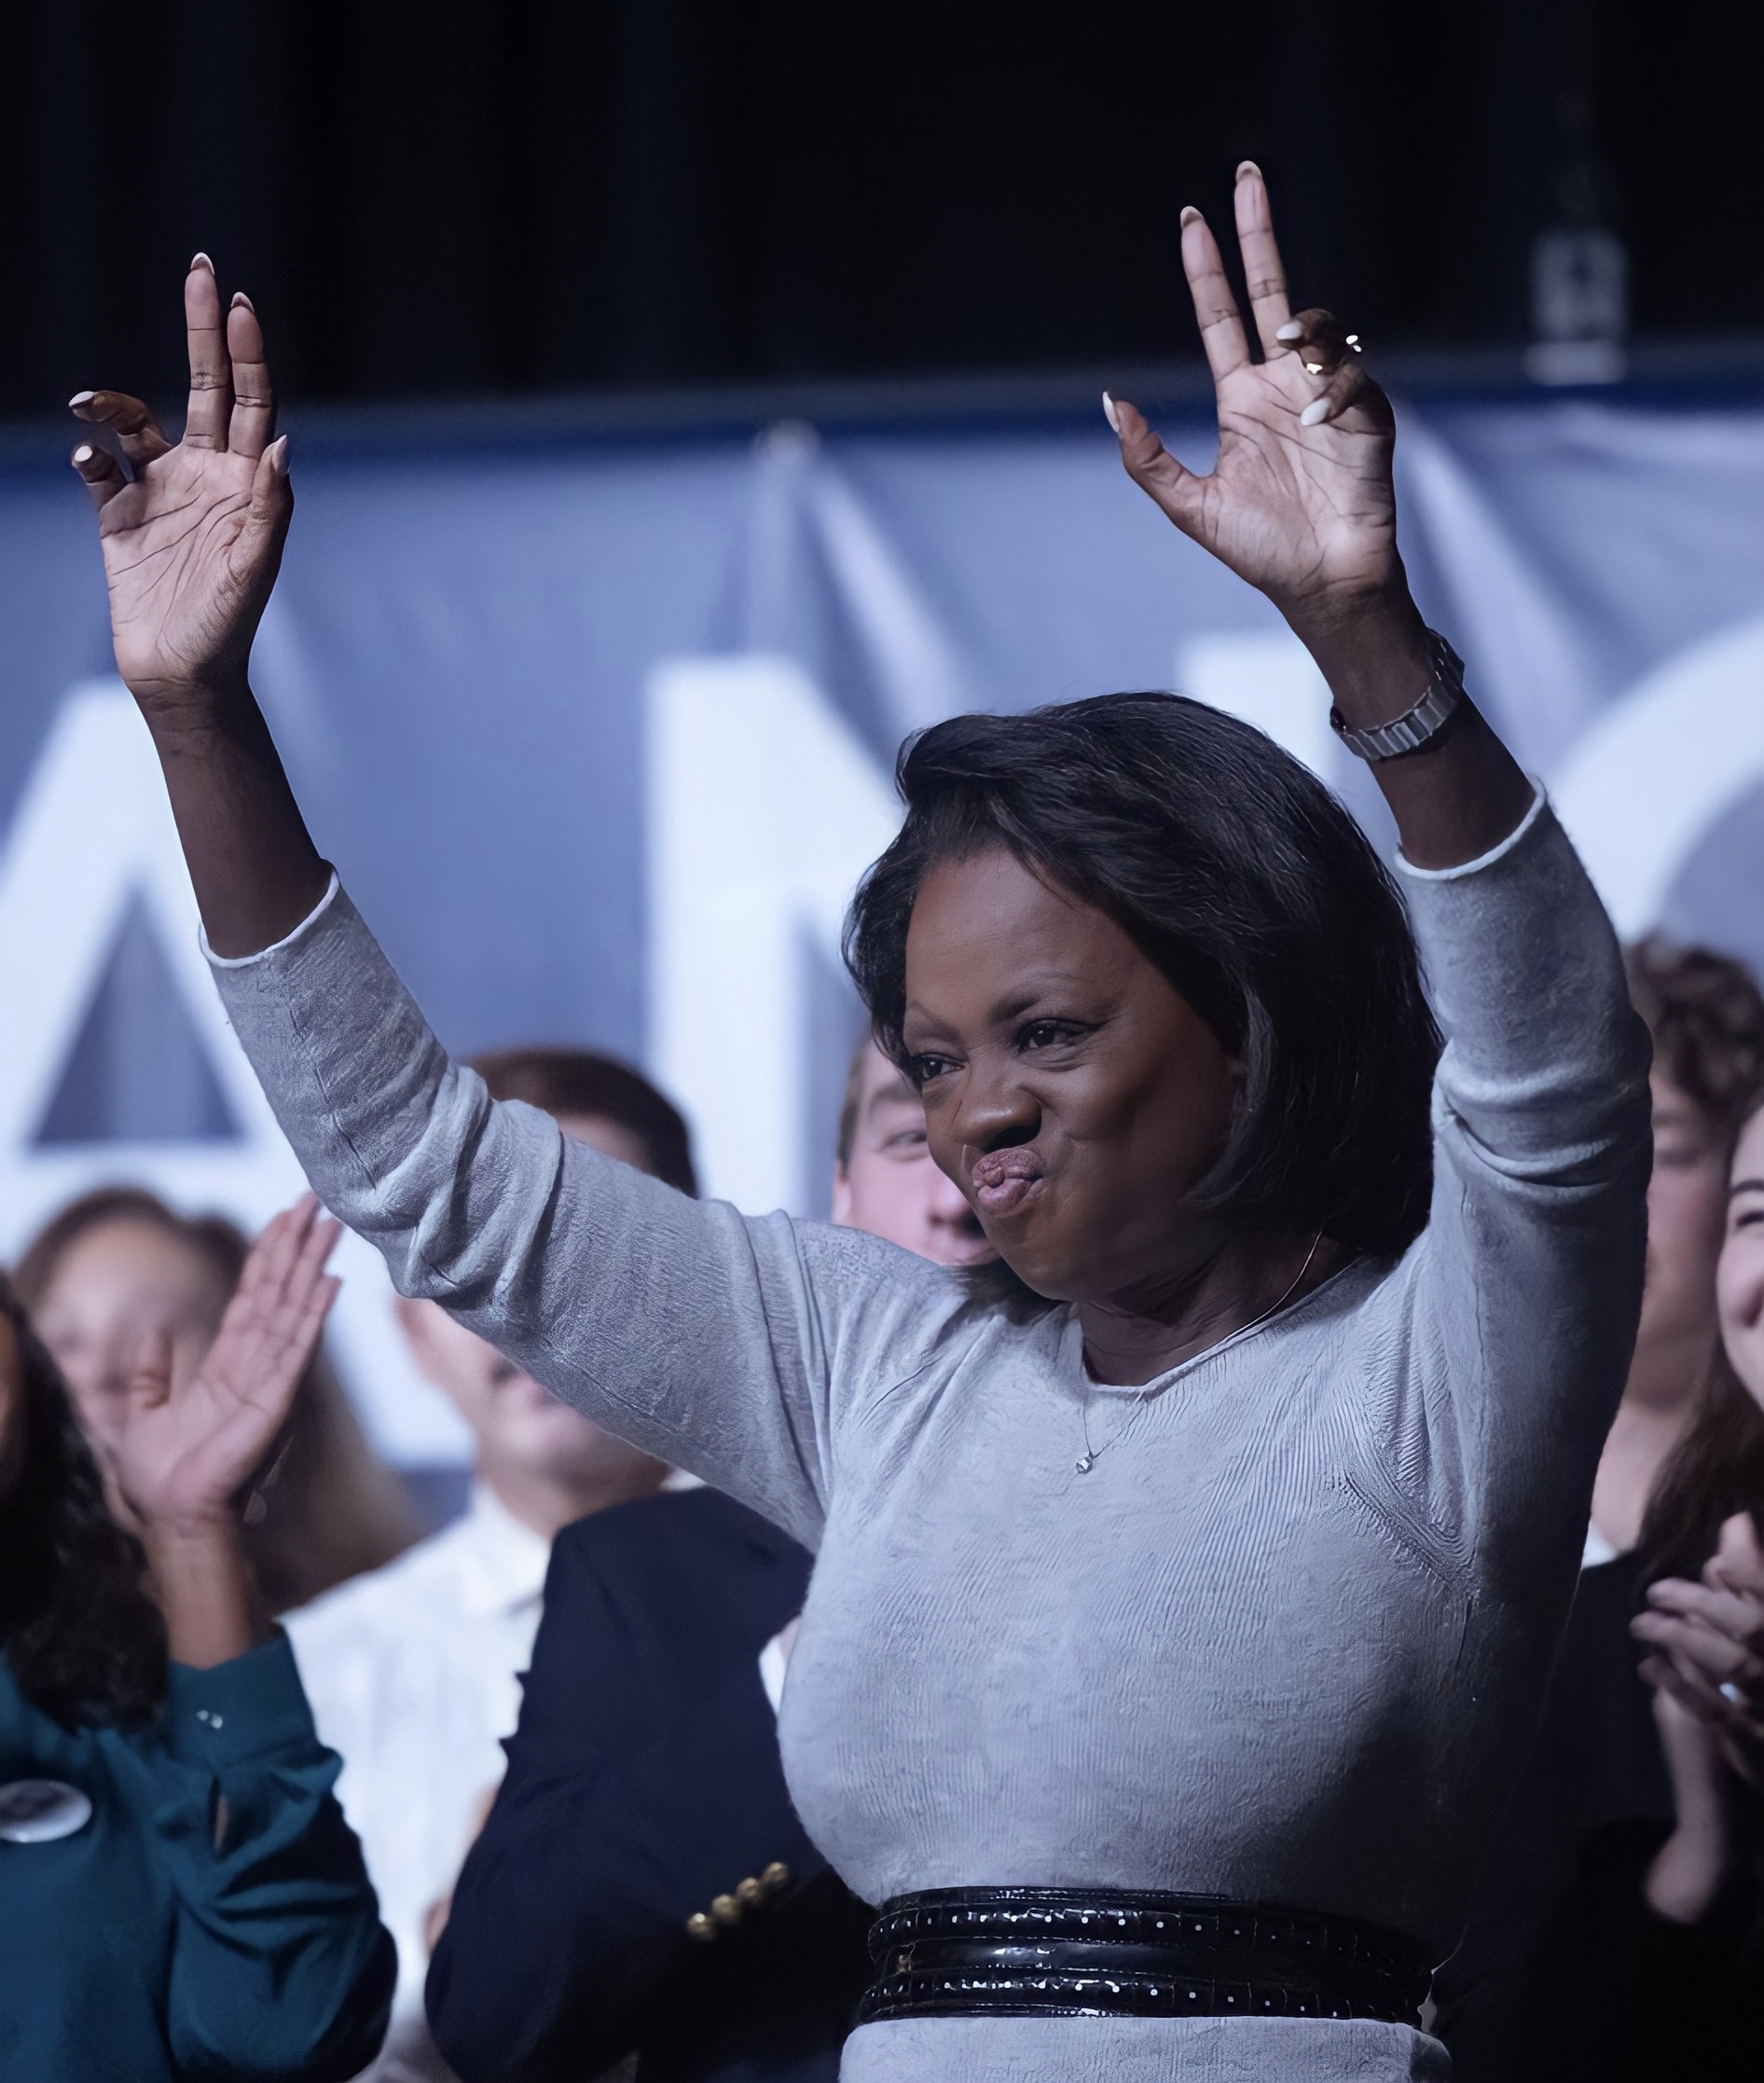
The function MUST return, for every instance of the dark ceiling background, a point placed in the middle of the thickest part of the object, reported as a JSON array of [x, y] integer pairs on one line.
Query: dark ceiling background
[[492, 196]]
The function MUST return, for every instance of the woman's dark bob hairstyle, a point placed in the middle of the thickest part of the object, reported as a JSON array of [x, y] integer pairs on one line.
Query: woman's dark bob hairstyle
[[1254, 891]]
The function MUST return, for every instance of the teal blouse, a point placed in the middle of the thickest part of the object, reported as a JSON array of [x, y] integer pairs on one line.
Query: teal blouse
[[140, 1949]]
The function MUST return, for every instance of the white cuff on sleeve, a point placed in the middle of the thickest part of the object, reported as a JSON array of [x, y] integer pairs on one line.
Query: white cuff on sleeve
[[287, 940], [1539, 803]]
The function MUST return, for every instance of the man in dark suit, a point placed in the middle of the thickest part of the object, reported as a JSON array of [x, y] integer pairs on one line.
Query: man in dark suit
[[644, 1795], [642, 1884]]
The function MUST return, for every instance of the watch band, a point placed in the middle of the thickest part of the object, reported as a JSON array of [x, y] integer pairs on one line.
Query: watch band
[[1441, 700]]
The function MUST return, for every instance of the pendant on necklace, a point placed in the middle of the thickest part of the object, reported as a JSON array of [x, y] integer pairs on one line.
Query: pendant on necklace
[[1084, 1463]]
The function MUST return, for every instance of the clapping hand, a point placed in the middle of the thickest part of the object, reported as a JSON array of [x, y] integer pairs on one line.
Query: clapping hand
[[193, 539], [183, 1453], [1708, 1643], [1708, 1675], [1301, 502]]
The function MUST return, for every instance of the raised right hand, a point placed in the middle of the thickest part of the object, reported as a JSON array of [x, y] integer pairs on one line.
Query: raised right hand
[[185, 1450], [178, 1462], [1301, 502], [192, 542]]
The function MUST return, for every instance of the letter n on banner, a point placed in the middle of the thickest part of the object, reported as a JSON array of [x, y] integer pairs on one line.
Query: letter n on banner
[[763, 811]]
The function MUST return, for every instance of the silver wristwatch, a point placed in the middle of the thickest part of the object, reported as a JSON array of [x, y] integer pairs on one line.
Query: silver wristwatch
[[1441, 700]]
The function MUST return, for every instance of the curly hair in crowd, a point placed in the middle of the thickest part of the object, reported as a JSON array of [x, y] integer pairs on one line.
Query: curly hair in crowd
[[1706, 1016], [83, 1640]]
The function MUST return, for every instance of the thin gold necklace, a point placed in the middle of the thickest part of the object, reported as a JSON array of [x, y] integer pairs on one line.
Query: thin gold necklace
[[1087, 1459]]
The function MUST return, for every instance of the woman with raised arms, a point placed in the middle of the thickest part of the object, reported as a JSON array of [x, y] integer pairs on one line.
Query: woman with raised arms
[[1184, 1590]]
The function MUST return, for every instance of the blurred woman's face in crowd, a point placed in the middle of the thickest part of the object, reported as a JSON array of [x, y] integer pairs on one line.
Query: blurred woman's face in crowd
[[1740, 1282], [1686, 1218], [1069, 1090], [115, 1286]]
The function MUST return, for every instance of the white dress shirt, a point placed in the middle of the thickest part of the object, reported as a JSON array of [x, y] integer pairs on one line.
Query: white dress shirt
[[413, 1676], [1598, 1549]]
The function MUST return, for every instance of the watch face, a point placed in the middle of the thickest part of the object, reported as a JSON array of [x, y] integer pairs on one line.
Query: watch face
[[39, 1810]]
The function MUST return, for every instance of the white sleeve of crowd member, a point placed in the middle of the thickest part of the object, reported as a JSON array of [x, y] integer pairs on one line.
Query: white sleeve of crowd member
[[1524, 1290], [708, 1338], [775, 1662]]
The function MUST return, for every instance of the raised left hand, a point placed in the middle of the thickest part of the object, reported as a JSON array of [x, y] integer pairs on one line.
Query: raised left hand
[[183, 1453], [1301, 502]]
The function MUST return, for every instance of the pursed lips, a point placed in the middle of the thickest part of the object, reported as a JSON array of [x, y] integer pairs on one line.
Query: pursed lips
[[1003, 1179]]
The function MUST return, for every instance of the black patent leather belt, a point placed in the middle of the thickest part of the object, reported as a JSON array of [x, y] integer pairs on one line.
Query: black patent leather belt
[[1073, 1953]]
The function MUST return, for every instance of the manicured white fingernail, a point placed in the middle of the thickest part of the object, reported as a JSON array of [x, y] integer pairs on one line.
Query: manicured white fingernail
[[1317, 410], [1190, 215], [1246, 168], [1109, 413], [1291, 330], [240, 298], [278, 455], [81, 397], [83, 453], [201, 260]]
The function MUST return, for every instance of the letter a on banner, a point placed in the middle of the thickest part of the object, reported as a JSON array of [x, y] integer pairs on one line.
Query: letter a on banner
[[93, 854]]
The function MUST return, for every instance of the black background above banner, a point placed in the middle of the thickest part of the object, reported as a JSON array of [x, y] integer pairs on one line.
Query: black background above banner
[[472, 195]]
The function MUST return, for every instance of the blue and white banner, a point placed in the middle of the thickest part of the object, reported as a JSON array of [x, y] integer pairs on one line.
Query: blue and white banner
[[600, 737]]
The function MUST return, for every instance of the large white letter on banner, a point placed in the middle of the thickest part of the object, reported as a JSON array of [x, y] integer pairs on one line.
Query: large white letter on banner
[[91, 836], [1660, 766], [764, 811]]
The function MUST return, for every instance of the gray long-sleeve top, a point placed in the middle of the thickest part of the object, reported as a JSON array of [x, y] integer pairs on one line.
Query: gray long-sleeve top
[[1283, 1642]]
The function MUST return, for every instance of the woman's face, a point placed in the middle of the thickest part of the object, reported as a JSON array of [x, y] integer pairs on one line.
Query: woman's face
[[1686, 1218], [113, 1289], [1071, 1091], [1740, 1279]]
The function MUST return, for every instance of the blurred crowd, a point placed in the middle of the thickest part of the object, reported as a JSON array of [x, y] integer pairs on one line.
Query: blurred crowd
[[554, 1716]]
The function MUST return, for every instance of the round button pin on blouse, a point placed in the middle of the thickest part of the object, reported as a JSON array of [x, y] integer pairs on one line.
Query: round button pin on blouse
[[38, 1811]]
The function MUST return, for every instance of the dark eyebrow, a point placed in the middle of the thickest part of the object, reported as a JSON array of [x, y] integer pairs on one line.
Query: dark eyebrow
[[1042, 988], [1013, 1008], [1745, 1186], [1047, 984]]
